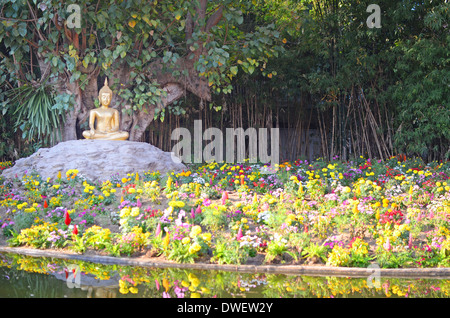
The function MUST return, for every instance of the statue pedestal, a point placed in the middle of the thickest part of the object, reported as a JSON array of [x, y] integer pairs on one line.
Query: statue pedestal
[[96, 160]]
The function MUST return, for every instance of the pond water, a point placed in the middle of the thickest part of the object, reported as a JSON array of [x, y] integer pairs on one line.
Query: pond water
[[39, 277]]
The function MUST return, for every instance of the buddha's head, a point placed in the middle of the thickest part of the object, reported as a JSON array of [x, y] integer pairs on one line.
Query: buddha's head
[[105, 94]]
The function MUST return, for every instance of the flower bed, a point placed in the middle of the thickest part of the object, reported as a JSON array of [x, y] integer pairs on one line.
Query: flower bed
[[352, 214]]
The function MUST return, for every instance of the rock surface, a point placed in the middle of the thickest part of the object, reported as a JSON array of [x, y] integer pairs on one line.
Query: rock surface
[[96, 160]]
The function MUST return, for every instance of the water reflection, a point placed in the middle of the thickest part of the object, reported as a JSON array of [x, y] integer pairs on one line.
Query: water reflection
[[25, 276]]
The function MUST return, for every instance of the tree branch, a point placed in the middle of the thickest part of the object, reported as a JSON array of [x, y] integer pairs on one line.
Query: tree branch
[[214, 19], [189, 26], [201, 10]]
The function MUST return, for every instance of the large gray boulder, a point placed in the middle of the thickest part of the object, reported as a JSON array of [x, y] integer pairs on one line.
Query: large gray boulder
[[96, 160]]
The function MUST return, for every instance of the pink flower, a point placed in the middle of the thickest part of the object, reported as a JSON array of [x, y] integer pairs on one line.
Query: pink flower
[[239, 235], [158, 229], [224, 197], [387, 245]]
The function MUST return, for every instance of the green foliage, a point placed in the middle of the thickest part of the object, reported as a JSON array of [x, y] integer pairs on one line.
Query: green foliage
[[179, 252], [314, 250], [23, 220], [277, 248], [214, 217], [227, 252], [422, 91], [36, 111]]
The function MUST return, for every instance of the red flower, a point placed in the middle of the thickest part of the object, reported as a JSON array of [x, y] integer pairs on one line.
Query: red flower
[[75, 230], [45, 204], [67, 220]]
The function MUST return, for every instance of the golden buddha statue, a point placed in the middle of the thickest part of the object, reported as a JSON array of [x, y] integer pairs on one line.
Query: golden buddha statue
[[107, 119]]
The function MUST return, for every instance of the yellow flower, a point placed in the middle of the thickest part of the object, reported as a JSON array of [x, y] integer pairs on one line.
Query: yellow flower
[[124, 212], [166, 241], [204, 290], [186, 240], [194, 280], [194, 248], [196, 230], [178, 204], [134, 211], [206, 236], [184, 283], [133, 290]]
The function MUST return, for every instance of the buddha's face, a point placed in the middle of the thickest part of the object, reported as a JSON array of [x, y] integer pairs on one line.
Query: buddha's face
[[105, 99]]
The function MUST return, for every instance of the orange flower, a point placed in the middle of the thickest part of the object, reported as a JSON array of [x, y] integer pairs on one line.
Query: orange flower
[[166, 240], [166, 284]]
